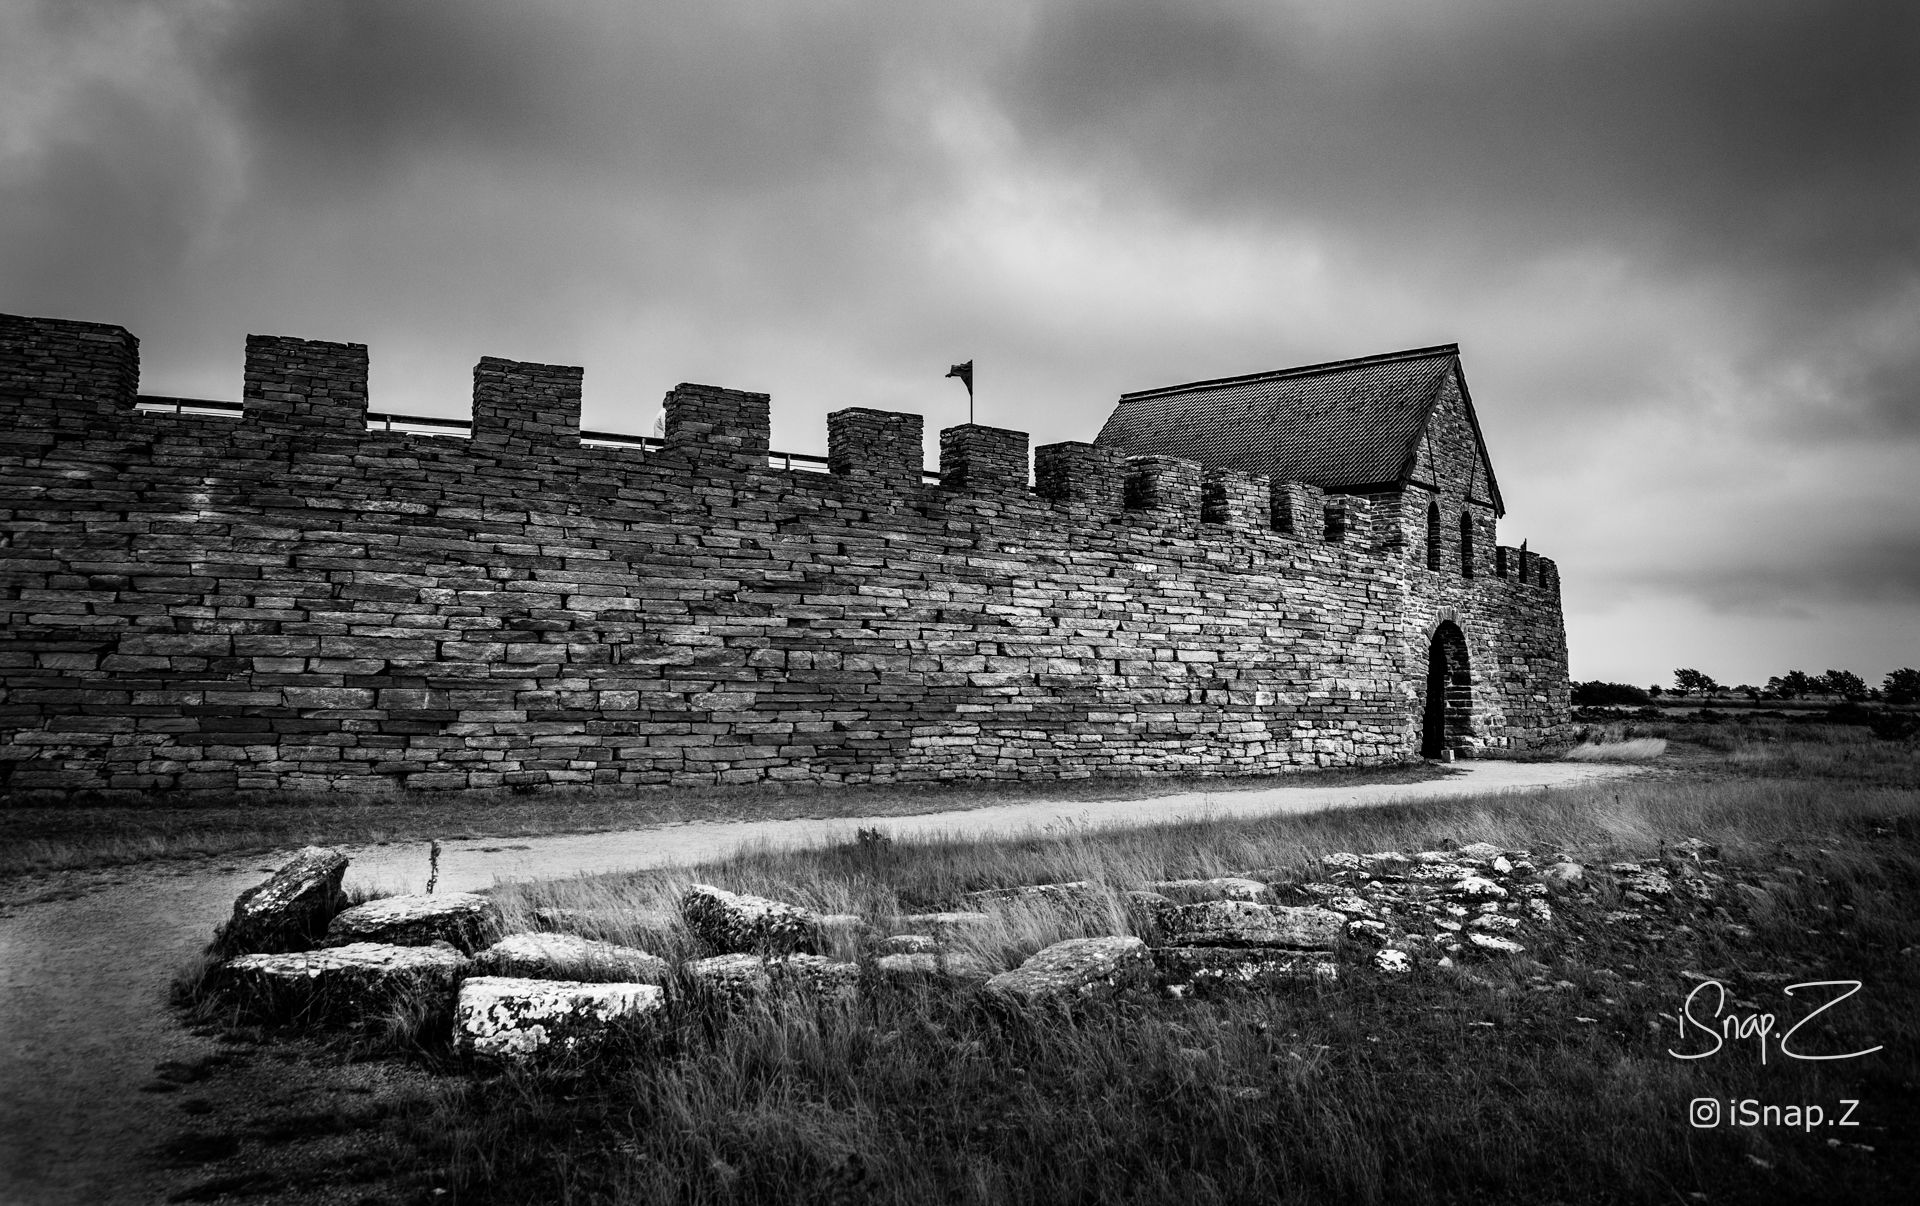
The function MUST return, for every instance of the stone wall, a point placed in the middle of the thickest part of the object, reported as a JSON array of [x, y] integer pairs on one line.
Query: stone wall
[[284, 599]]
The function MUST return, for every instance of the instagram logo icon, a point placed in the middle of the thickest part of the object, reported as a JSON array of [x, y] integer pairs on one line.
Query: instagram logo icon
[[1704, 1112]]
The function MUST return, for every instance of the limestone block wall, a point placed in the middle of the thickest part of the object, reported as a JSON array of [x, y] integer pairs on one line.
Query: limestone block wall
[[285, 599]]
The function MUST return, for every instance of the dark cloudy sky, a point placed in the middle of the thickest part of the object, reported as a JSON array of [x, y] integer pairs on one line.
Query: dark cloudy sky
[[1679, 243]]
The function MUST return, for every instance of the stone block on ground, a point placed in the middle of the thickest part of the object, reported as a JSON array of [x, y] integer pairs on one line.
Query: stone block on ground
[[942, 924], [734, 923], [338, 983], [510, 1018], [569, 957], [1078, 896], [1491, 944], [815, 974], [907, 944], [1475, 888], [742, 975], [1226, 887], [1206, 970], [1695, 850], [1446, 872], [734, 976], [927, 965], [1077, 969], [465, 919], [290, 910], [1369, 932], [1393, 962], [1245, 923], [1563, 876]]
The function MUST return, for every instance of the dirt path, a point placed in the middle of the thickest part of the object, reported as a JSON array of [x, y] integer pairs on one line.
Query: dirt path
[[83, 980]]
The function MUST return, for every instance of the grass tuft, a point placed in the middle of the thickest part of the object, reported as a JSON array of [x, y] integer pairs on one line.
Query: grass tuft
[[1639, 749]]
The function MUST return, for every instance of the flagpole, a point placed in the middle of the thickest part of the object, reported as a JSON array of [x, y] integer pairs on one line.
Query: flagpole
[[965, 373]]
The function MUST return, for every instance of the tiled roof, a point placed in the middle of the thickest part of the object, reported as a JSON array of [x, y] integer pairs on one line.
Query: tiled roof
[[1344, 424]]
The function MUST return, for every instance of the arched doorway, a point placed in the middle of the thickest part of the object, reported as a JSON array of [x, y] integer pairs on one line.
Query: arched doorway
[[1446, 720]]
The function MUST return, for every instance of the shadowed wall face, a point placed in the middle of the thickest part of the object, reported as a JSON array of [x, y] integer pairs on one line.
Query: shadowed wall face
[[285, 599]]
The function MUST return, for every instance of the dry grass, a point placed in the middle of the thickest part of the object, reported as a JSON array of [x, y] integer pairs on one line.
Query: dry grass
[[1639, 749]]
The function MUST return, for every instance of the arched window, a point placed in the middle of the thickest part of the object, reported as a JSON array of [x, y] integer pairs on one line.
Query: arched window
[[1433, 535], [1466, 544]]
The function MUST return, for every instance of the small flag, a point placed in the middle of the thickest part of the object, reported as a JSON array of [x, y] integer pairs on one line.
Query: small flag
[[965, 373]]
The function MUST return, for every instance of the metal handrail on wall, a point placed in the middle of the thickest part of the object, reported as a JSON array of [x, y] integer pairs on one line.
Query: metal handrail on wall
[[385, 421], [156, 404]]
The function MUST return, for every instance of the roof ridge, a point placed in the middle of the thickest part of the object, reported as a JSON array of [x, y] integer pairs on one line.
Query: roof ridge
[[1305, 370]]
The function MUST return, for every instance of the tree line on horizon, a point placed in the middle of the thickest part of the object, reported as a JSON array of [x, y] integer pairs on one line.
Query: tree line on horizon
[[1899, 687]]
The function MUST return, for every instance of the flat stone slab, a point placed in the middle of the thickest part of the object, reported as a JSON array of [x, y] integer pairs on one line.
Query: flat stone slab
[[1077, 969], [1226, 887], [926, 965], [734, 975], [513, 1018], [815, 974], [743, 975], [1246, 923], [1476, 887], [1393, 962], [939, 923], [568, 957], [1563, 875], [733, 923], [1209, 970], [1079, 895], [338, 982], [1447, 872], [464, 919], [1494, 945], [290, 911]]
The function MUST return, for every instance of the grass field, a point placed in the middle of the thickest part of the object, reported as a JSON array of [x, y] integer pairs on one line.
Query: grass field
[[1546, 1078]]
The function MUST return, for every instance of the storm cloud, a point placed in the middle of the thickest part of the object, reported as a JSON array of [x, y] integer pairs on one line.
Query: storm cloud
[[1680, 244]]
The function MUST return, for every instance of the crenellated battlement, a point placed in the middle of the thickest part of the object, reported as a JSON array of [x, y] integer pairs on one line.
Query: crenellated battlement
[[87, 375], [290, 592]]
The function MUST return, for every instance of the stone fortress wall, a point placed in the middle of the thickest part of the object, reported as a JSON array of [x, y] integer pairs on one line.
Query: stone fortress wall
[[286, 599]]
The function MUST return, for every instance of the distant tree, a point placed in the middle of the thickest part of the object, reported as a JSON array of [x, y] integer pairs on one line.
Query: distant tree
[[1792, 685], [1748, 690], [1685, 682], [1597, 694], [1902, 686], [1655, 691], [1844, 683]]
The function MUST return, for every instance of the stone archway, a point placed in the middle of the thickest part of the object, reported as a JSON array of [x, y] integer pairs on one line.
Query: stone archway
[[1446, 719]]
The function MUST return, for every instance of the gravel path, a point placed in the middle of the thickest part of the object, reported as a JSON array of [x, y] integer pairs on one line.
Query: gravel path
[[83, 980]]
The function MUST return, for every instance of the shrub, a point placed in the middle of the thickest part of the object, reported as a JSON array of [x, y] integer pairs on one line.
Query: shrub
[[1597, 694], [1850, 713], [1892, 726]]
